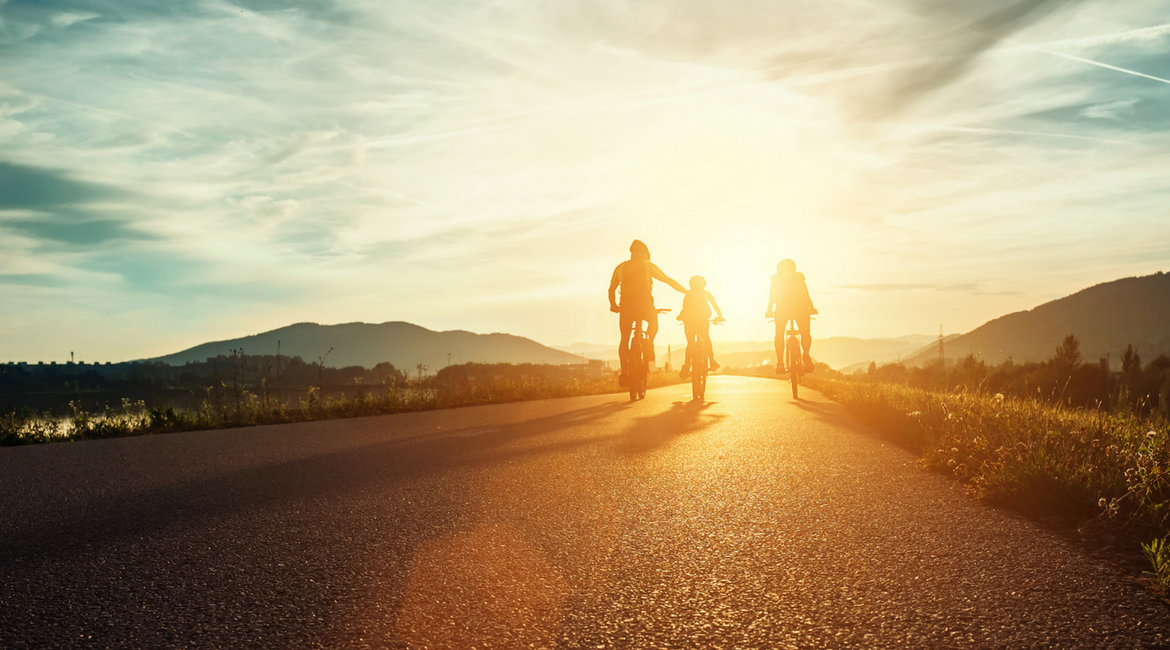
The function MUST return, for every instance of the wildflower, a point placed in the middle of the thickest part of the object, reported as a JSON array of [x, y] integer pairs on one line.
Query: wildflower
[[1101, 502], [1151, 434], [952, 462], [954, 450], [914, 414]]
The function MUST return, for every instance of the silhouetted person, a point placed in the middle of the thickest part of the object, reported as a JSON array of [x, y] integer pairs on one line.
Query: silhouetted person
[[696, 318], [635, 278], [789, 299]]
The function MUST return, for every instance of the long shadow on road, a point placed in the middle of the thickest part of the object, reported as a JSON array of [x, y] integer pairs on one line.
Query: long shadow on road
[[656, 431], [380, 465]]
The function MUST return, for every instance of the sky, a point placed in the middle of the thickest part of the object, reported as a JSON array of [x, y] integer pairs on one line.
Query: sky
[[176, 173]]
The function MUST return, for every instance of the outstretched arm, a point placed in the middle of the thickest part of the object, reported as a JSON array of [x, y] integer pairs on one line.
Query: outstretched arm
[[657, 274], [613, 285]]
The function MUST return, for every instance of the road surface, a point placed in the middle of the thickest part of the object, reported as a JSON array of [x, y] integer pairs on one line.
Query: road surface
[[750, 522]]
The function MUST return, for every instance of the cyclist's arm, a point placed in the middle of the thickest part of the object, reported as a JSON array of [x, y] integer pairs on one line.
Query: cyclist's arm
[[718, 311], [613, 285], [657, 274], [808, 298], [771, 300]]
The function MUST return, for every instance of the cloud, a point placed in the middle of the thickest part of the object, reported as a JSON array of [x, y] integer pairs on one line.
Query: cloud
[[1110, 110], [79, 232], [882, 288], [68, 18], [27, 187], [32, 280]]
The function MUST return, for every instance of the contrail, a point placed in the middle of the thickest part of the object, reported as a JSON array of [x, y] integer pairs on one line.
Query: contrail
[[987, 131], [1099, 64], [1139, 34], [95, 109]]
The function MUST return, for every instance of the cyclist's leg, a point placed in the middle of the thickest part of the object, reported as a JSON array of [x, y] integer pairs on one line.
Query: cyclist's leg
[[690, 351], [651, 318], [803, 323], [626, 322], [704, 336], [781, 323]]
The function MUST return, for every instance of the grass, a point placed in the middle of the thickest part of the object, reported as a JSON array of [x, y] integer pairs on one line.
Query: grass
[[224, 406], [1102, 472]]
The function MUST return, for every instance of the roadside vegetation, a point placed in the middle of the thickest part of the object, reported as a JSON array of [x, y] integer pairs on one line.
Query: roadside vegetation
[[238, 403], [1068, 443]]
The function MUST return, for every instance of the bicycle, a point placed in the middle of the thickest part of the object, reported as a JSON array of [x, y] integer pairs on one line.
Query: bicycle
[[637, 366], [793, 356], [699, 353]]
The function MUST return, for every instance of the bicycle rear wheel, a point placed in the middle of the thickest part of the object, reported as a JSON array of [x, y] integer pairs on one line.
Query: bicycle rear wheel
[[698, 379], [793, 358], [635, 366]]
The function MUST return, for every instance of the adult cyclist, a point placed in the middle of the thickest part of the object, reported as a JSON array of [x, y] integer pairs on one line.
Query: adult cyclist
[[787, 300], [635, 278]]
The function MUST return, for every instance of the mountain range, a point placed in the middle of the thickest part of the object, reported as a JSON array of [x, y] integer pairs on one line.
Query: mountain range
[[1105, 318], [363, 344]]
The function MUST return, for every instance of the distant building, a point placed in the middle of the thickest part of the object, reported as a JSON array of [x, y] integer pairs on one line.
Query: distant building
[[592, 368]]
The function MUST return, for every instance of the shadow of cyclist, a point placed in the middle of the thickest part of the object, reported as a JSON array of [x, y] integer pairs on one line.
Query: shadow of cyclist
[[656, 431]]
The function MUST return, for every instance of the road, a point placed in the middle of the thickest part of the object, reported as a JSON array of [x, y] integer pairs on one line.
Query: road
[[752, 521]]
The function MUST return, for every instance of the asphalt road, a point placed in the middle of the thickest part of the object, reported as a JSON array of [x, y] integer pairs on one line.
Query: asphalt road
[[750, 522]]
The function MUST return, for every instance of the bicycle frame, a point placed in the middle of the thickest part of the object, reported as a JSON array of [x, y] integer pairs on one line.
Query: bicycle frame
[[699, 355], [637, 366]]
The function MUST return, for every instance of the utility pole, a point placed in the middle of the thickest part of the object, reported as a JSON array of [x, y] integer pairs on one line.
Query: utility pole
[[942, 359], [279, 384], [321, 370], [668, 357]]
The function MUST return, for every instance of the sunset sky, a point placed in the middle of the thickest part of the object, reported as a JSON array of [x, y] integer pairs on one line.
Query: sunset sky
[[174, 173]]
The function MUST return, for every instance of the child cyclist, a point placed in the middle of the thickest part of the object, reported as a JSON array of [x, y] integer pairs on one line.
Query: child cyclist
[[696, 318]]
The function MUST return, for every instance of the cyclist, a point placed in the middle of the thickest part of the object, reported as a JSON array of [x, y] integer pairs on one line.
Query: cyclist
[[696, 318], [789, 299], [635, 277]]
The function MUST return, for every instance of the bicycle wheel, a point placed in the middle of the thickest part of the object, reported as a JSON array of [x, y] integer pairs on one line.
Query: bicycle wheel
[[634, 361], [698, 378], [793, 359]]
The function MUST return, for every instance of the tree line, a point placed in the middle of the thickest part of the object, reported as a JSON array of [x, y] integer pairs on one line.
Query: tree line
[[1064, 378], [236, 369]]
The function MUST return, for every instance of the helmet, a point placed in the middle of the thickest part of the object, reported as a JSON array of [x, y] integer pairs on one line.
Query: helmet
[[698, 282], [638, 248], [786, 266]]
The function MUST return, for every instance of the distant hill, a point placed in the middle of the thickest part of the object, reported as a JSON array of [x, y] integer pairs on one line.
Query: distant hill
[[1105, 318], [362, 344]]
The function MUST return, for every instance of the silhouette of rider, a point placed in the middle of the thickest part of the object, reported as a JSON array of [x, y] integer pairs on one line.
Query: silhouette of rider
[[789, 299], [636, 278], [696, 318]]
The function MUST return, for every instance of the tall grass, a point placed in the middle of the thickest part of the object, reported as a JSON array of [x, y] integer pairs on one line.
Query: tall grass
[[1088, 468], [225, 406]]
